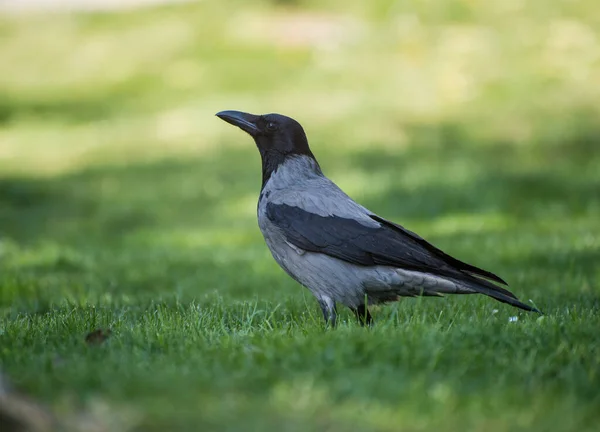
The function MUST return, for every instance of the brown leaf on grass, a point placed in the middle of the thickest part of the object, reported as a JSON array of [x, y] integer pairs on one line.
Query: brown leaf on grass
[[98, 336]]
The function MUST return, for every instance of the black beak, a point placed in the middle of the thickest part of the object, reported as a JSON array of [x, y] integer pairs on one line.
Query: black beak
[[246, 122]]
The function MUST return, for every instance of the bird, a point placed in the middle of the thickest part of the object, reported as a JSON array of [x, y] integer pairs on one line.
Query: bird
[[341, 251]]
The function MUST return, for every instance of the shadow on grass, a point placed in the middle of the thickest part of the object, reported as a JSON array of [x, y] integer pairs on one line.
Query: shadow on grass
[[460, 176], [453, 176], [89, 218], [102, 204]]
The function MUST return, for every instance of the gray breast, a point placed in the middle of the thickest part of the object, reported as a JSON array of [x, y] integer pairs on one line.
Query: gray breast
[[299, 184]]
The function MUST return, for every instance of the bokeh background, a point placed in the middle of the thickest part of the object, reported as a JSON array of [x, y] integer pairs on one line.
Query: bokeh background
[[125, 203]]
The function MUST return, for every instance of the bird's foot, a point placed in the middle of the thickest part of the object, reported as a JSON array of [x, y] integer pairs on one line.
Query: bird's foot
[[329, 311]]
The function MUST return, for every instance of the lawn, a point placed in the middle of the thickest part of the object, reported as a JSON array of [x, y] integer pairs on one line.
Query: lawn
[[125, 204]]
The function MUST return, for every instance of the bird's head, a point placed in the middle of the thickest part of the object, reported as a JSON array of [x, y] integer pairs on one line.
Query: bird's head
[[273, 133]]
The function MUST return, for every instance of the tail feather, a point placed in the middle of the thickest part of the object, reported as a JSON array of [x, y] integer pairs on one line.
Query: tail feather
[[405, 283], [501, 294], [511, 301]]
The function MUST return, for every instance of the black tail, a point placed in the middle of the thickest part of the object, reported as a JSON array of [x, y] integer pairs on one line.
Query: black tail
[[503, 295]]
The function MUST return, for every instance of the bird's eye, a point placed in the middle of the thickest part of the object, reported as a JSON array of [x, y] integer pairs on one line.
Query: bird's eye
[[271, 126]]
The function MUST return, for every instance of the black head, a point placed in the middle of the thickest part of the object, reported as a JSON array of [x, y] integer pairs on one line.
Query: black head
[[277, 137], [271, 132]]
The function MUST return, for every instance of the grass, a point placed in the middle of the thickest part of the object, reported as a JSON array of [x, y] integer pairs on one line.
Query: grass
[[125, 204]]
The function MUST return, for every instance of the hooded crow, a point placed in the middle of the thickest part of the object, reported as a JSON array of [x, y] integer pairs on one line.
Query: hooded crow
[[338, 249]]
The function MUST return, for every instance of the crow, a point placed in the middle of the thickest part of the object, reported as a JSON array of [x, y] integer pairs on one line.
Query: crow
[[338, 249]]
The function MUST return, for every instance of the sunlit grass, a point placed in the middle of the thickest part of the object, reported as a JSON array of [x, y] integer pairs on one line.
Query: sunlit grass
[[155, 78]]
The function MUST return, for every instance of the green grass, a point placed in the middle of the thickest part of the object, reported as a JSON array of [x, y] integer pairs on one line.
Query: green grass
[[125, 204]]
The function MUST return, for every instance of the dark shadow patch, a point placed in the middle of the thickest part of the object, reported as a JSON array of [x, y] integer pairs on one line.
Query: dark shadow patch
[[500, 182], [103, 215], [101, 205]]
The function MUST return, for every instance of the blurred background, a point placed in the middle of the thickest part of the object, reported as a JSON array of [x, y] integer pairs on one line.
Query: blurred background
[[474, 123], [454, 116]]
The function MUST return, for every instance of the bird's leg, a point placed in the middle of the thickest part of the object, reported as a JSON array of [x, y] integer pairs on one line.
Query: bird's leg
[[363, 315], [329, 311]]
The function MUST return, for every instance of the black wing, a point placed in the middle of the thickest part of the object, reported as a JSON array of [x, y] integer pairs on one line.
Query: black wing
[[388, 245], [460, 265]]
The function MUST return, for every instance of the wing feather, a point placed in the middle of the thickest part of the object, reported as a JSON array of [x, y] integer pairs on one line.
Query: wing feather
[[388, 245]]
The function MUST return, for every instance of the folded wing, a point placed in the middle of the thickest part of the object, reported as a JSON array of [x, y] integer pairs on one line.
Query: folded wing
[[388, 244]]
